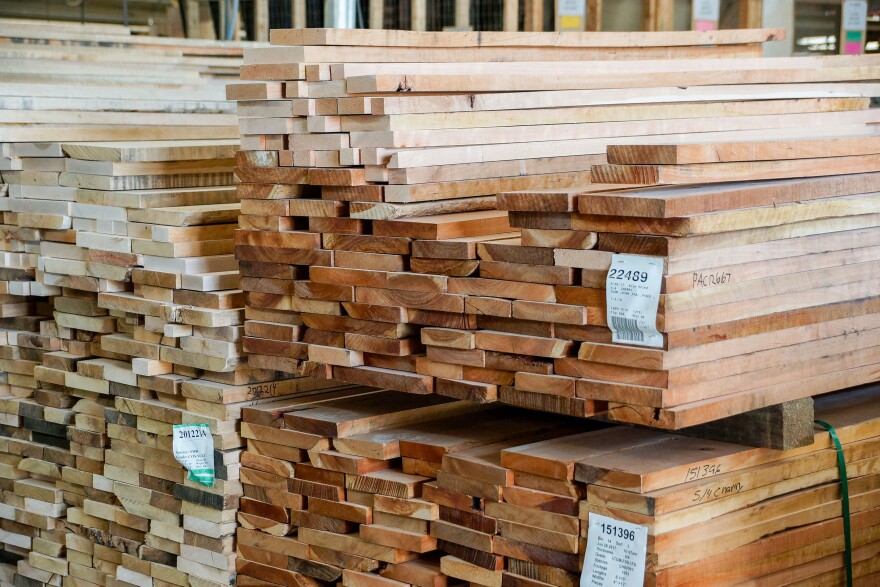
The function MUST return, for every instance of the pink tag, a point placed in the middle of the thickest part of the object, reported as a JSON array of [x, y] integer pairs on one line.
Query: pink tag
[[853, 49]]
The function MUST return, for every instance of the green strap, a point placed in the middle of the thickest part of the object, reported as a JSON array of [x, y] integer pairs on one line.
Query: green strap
[[844, 491]]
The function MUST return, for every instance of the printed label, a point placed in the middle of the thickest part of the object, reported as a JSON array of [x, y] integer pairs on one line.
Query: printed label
[[615, 553], [194, 449], [571, 7], [632, 294], [706, 10], [855, 15]]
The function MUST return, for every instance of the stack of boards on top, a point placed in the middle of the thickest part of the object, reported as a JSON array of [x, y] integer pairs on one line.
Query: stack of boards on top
[[370, 487], [766, 275], [373, 249], [121, 312]]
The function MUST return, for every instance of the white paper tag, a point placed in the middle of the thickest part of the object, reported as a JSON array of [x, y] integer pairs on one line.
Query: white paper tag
[[194, 449], [706, 10], [615, 553], [632, 296], [571, 8], [855, 15]]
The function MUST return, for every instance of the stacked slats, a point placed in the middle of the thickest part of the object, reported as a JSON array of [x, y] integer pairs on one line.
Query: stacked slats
[[756, 516], [33, 510], [768, 285], [368, 487], [137, 196], [750, 515], [372, 250], [507, 520], [338, 485]]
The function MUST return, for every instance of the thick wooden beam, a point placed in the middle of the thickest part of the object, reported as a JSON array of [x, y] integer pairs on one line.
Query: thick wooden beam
[[261, 21], [594, 15], [779, 14], [224, 15], [298, 14], [510, 15], [419, 15], [463, 15], [534, 15], [658, 15], [751, 14], [193, 22], [781, 427], [377, 14]]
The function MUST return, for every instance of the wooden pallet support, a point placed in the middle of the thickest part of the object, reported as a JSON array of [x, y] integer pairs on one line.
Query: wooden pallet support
[[658, 15], [376, 18], [594, 15], [751, 13], [510, 15], [784, 426]]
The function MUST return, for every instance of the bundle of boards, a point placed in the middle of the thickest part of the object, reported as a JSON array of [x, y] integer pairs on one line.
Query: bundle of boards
[[768, 275], [121, 312], [414, 225], [378, 488], [375, 250]]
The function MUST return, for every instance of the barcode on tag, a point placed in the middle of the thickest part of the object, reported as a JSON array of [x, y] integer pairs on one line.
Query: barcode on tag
[[632, 295], [627, 329]]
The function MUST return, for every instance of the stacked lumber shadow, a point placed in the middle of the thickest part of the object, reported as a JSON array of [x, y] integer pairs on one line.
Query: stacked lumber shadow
[[374, 252], [367, 487]]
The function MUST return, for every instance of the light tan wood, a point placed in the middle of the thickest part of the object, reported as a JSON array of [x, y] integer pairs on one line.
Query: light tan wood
[[416, 39]]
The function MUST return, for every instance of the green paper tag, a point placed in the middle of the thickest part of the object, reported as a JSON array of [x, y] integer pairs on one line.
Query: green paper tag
[[194, 449]]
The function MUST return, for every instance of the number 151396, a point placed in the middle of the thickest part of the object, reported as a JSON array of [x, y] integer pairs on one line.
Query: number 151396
[[703, 471], [618, 532]]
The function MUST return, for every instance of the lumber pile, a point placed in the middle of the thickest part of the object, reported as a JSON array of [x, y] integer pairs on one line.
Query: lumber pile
[[343, 486], [118, 160], [750, 515], [58, 86], [414, 235], [160, 331], [373, 487], [373, 248], [768, 276]]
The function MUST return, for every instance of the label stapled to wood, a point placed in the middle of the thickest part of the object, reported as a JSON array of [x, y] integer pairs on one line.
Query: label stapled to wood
[[616, 553], [632, 296], [194, 449]]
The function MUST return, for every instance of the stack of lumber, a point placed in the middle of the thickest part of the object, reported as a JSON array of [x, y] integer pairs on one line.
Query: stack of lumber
[[752, 515], [372, 487], [111, 183], [40, 49], [33, 450], [59, 85], [723, 514], [769, 276], [117, 153], [371, 246], [169, 352], [508, 511], [337, 485]]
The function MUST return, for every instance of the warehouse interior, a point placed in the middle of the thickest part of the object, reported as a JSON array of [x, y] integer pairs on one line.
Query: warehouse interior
[[816, 24], [439, 293]]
